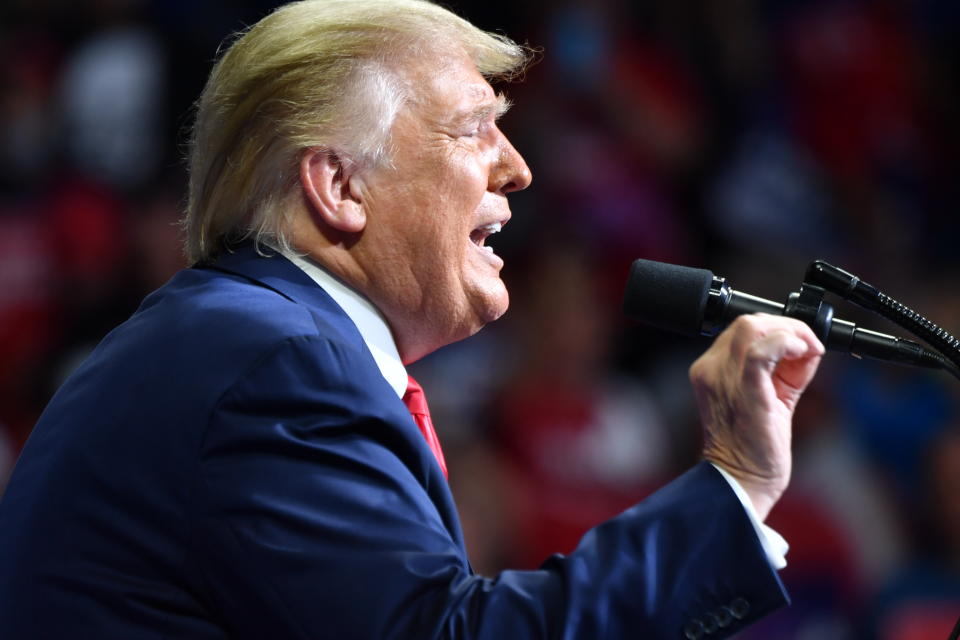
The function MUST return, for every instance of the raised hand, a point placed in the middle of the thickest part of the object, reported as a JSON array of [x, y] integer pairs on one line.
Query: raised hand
[[747, 385]]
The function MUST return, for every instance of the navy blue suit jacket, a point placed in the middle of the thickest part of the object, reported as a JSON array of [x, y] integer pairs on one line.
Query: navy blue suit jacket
[[230, 462]]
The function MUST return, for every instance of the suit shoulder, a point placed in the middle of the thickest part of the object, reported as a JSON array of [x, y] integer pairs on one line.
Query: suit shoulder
[[214, 307]]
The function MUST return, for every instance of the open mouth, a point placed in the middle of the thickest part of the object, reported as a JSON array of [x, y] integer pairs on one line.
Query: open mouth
[[479, 235]]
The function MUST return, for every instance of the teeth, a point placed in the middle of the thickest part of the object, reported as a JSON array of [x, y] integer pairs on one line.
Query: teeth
[[479, 235]]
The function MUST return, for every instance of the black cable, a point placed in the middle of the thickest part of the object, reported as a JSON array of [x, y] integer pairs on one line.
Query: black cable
[[850, 287], [946, 364], [912, 321]]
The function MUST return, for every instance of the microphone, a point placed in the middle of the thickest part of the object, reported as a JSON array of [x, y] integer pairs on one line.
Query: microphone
[[695, 302]]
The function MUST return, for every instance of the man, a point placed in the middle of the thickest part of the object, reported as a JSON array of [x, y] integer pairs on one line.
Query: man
[[236, 460]]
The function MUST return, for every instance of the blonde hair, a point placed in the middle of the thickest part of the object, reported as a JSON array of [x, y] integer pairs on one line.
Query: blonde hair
[[312, 74]]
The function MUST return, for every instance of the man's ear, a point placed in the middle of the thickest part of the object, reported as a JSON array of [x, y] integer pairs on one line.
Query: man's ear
[[326, 184]]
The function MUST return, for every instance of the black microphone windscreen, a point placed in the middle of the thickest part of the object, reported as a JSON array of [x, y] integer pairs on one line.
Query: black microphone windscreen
[[667, 296]]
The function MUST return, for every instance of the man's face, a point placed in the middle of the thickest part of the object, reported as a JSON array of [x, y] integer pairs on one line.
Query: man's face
[[430, 211]]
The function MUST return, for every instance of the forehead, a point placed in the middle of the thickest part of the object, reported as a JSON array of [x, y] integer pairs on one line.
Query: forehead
[[450, 85]]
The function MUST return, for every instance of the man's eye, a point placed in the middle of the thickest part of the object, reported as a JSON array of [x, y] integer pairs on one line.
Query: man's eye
[[477, 130]]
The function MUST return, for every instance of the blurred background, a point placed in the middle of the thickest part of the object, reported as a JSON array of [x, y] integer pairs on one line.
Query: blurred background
[[742, 136]]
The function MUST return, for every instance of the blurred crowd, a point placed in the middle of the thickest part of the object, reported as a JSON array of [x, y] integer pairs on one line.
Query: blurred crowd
[[743, 136]]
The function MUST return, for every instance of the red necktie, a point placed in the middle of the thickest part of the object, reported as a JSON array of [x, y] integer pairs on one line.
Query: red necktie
[[417, 405]]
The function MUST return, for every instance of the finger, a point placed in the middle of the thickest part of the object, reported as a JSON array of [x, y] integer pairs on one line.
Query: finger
[[798, 364], [770, 348], [797, 373], [795, 327], [783, 358]]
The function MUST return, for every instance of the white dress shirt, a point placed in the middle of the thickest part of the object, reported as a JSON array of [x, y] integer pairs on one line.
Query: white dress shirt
[[376, 334], [370, 322]]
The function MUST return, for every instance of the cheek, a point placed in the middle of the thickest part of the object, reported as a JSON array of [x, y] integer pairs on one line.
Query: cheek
[[457, 200], [465, 171], [433, 206]]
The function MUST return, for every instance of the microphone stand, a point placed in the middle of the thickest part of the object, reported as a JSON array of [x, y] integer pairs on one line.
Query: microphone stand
[[808, 306], [809, 302], [850, 287]]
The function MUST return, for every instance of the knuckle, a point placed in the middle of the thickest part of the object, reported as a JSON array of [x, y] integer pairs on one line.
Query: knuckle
[[751, 326], [696, 371], [701, 372], [745, 322], [756, 353]]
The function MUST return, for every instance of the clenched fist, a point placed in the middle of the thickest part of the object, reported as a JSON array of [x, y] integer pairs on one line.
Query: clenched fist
[[747, 385]]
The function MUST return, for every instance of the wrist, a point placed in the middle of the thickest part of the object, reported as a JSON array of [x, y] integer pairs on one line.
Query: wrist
[[761, 498], [762, 491]]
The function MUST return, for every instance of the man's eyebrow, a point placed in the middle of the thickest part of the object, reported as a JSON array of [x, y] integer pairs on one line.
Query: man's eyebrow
[[482, 112]]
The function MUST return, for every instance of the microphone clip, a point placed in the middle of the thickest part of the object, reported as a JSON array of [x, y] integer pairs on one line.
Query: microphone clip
[[808, 306], [718, 298]]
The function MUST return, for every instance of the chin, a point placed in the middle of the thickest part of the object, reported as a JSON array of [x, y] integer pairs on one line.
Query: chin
[[457, 321], [491, 305]]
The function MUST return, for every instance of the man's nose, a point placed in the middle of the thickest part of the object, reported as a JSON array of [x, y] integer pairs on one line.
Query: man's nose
[[511, 172]]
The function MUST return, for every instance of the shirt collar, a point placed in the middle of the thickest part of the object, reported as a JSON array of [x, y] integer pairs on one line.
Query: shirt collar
[[370, 322]]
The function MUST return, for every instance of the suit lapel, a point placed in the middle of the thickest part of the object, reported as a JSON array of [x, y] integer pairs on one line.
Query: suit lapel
[[279, 274]]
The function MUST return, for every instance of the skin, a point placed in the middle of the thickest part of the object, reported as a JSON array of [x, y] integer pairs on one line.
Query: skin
[[401, 235], [747, 385]]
